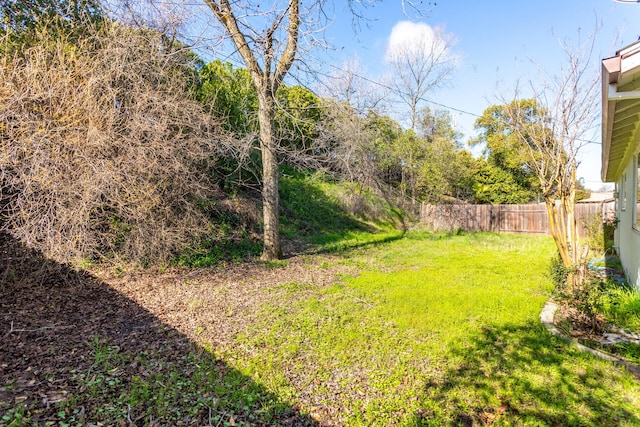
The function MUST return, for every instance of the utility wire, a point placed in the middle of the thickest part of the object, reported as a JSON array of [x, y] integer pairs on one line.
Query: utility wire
[[459, 110], [375, 82], [229, 57], [367, 79]]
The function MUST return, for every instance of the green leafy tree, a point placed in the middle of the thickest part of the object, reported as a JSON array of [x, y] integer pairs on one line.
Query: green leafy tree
[[445, 170], [269, 39], [298, 112], [507, 176], [446, 175], [434, 125], [409, 148], [428, 165], [581, 191], [19, 19], [494, 185], [385, 133], [229, 94]]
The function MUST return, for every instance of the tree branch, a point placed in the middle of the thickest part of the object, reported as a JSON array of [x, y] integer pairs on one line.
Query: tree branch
[[292, 44], [226, 17]]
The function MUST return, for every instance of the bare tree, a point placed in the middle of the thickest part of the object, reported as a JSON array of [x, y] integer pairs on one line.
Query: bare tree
[[268, 51], [421, 59], [553, 130], [268, 41], [349, 84]]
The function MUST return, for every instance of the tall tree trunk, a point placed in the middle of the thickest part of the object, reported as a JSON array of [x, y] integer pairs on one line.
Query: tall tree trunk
[[270, 196], [564, 230], [267, 77], [556, 224], [414, 113]]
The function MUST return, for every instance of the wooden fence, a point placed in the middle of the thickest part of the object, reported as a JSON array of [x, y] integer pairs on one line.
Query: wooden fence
[[528, 219]]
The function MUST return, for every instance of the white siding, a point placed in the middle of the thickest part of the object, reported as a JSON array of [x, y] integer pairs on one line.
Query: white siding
[[627, 237]]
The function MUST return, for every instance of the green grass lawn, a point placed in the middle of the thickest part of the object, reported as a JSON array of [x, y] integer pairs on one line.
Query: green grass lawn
[[433, 331], [419, 330]]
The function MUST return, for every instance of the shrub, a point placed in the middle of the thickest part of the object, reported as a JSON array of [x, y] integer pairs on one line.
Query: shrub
[[588, 299], [584, 300], [558, 272], [599, 233], [102, 151]]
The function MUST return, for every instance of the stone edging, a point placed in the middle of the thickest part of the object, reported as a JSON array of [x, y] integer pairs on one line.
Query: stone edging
[[546, 317]]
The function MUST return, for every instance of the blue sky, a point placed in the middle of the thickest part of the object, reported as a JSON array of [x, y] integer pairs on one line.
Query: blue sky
[[499, 41]]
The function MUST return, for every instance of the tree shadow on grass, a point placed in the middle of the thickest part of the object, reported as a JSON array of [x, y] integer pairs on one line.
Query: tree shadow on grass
[[73, 351], [522, 375]]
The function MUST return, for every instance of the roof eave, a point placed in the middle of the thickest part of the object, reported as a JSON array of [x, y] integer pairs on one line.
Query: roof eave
[[610, 73], [616, 71]]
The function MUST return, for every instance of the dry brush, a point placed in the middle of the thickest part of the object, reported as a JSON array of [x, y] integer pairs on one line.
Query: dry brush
[[102, 151]]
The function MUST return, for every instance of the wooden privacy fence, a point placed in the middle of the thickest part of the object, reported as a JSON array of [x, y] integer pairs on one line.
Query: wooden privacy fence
[[529, 219]]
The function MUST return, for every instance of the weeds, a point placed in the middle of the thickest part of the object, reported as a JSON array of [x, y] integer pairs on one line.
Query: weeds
[[211, 253], [426, 330], [601, 303], [276, 264], [16, 416], [323, 212], [105, 356], [600, 279], [623, 307], [193, 387]]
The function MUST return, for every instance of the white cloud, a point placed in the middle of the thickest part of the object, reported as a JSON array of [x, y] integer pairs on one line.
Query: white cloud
[[418, 39]]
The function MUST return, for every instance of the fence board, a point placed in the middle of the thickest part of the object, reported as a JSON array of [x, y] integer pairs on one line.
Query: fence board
[[529, 219]]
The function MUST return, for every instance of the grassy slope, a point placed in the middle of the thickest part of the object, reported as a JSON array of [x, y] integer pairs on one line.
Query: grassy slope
[[435, 332], [334, 216], [327, 215]]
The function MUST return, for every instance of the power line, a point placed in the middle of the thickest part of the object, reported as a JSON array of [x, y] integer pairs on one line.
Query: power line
[[367, 79], [191, 3], [459, 110], [230, 55]]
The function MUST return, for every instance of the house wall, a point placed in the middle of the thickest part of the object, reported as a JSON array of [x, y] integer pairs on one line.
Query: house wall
[[627, 236]]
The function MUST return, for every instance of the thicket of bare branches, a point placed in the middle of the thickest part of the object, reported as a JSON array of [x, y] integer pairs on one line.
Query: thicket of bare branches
[[348, 148], [344, 143], [101, 149]]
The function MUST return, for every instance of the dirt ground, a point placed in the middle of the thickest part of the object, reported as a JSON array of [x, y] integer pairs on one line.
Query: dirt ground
[[50, 313]]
